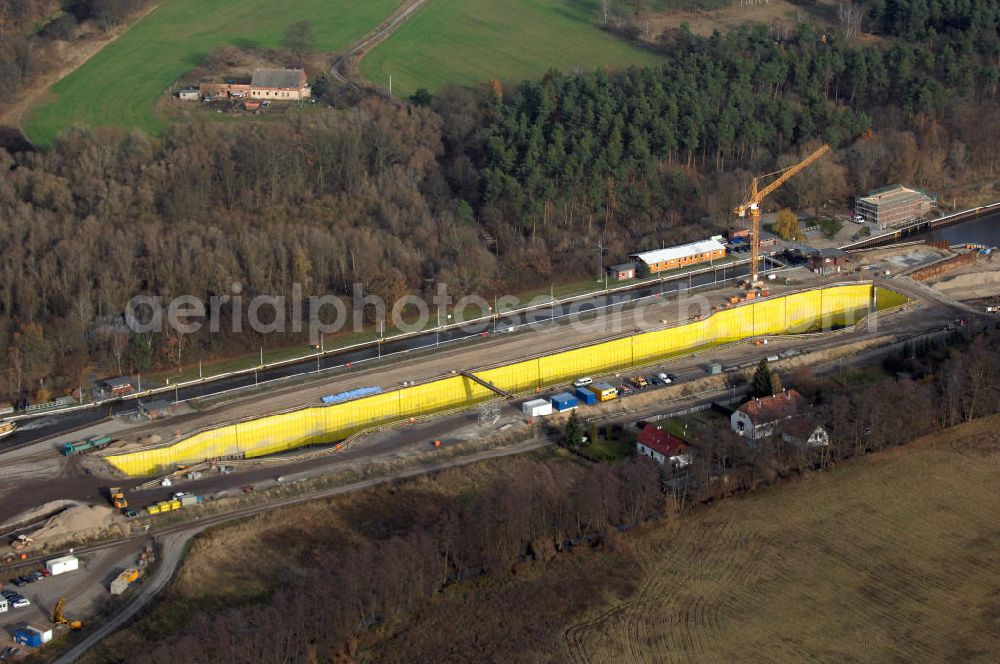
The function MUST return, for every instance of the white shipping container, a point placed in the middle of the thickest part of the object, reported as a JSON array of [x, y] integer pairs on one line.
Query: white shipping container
[[3, 605], [61, 565], [537, 407]]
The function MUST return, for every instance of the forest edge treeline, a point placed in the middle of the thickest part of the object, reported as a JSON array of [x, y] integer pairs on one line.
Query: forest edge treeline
[[488, 192]]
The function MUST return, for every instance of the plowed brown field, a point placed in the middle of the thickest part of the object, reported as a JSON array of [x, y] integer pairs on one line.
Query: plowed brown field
[[896, 558]]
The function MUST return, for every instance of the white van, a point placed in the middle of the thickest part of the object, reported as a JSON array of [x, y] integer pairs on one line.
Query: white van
[[583, 382]]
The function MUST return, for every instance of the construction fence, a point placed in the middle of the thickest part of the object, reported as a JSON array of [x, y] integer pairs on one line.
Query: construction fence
[[320, 424]]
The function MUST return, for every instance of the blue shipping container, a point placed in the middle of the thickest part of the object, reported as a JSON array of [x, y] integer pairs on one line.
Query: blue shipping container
[[586, 396], [564, 401], [350, 394], [28, 637]]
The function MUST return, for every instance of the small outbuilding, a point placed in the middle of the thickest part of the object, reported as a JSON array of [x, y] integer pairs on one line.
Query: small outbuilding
[[33, 636], [827, 261], [622, 272], [663, 447], [604, 391], [537, 407], [564, 401], [189, 94], [118, 387], [62, 565], [757, 418], [586, 396]]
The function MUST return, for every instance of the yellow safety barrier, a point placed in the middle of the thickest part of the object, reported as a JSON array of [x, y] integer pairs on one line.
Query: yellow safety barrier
[[312, 425]]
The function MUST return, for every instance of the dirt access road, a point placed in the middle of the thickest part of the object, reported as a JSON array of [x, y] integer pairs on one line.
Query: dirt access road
[[173, 544], [345, 67], [77, 55]]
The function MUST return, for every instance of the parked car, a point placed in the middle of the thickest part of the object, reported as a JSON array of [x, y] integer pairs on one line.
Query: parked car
[[20, 603], [37, 575], [583, 382], [673, 377], [664, 378], [624, 389], [131, 513]]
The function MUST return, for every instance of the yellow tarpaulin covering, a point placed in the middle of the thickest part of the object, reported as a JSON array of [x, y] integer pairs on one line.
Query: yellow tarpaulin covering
[[798, 312]]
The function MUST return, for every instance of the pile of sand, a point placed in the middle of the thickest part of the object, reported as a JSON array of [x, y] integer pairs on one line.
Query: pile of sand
[[971, 285], [40, 512], [77, 521]]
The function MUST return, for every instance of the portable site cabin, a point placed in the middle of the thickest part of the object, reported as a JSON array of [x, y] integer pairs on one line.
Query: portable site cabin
[[537, 407], [32, 636], [61, 565], [604, 391], [3, 605], [586, 396], [564, 401]]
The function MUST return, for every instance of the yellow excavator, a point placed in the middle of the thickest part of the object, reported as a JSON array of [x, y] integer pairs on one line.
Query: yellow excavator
[[756, 197], [58, 618]]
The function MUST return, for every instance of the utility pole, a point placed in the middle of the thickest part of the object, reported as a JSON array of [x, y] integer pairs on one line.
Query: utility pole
[[390, 85], [600, 258]]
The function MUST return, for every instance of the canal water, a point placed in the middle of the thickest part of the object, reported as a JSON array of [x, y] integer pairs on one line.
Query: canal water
[[981, 230]]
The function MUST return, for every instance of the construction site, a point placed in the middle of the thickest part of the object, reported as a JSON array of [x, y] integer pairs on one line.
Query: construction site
[[101, 504]]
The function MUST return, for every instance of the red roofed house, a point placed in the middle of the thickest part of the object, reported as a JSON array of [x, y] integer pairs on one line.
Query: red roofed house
[[662, 446], [757, 418]]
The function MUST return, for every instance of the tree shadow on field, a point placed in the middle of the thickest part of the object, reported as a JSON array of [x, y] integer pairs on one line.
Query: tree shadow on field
[[245, 43], [195, 58]]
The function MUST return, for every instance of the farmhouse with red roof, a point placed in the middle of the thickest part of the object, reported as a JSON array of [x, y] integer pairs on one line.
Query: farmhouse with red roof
[[662, 447]]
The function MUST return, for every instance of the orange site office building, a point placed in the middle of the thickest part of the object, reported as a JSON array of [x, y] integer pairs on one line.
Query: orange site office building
[[682, 255]]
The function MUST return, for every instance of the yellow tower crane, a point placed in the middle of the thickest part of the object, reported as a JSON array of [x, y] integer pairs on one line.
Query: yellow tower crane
[[756, 197]]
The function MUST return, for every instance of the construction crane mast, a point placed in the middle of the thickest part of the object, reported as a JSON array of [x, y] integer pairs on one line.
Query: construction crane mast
[[757, 196]]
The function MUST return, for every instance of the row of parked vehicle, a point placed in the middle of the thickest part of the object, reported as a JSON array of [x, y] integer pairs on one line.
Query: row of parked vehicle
[[29, 578], [15, 599], [9, 651], [639, 382]]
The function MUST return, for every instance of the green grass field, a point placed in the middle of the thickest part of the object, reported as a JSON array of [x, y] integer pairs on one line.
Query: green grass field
[[121, 85], [469, 41]]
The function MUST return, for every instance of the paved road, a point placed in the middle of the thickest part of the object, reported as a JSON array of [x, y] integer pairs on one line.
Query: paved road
[[174, 539], [332, 364], [922, 291]]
